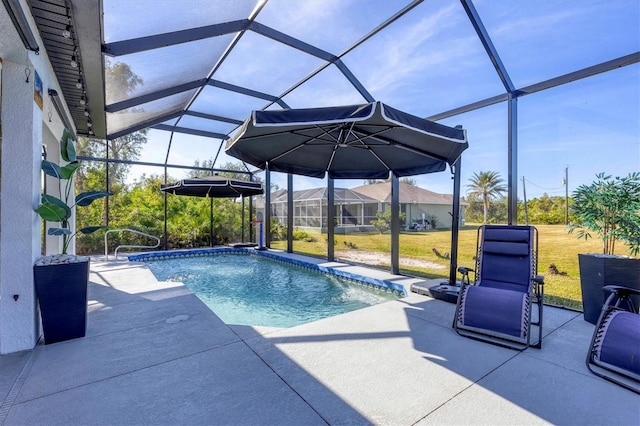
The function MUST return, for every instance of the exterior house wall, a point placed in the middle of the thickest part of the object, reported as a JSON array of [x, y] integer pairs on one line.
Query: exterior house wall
[[357, 217], [439, 212], [25, 128], [19, 225]]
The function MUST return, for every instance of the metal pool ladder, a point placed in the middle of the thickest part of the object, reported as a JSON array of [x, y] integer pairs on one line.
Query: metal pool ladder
[[106, 247]]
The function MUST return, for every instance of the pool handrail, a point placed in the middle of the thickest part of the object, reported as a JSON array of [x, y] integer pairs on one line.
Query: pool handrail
[[106, 247]]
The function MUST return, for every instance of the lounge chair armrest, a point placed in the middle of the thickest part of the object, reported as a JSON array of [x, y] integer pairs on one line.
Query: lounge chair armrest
[[621, 290], [465, 274], [464, 270], [538, 279]]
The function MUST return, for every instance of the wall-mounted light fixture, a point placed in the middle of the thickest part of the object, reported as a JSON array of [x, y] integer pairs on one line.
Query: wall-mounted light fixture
[[61, 112], [22, 24], [67, 31]]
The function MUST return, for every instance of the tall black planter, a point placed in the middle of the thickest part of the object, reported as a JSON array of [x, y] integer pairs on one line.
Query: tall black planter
[[62, 295], [596, 271]]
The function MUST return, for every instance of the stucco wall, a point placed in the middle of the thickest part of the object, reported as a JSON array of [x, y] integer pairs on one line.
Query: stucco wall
[[25, 127], [19, 225], [442, 214]]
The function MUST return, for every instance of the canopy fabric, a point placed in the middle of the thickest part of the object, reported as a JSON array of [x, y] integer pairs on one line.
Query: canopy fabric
[[348, 142], [214, 187]]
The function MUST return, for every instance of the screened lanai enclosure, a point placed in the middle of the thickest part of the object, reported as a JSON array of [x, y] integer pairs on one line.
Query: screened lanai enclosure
[[547, 91], [354, 211]]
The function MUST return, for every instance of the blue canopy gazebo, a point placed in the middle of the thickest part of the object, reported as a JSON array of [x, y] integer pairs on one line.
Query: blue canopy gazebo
[[367, 141], [211, 187]]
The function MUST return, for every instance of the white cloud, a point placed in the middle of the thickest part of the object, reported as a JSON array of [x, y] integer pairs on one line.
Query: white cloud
[[402, 53], [535, 21]]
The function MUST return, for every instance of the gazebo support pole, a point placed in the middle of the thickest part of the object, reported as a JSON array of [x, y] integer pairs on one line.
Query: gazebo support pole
[[395, 224], [289, 213], [331, 214], [455, 221], [267, 208], [211, 221], [242, 240], [166, 233], [251, 217]]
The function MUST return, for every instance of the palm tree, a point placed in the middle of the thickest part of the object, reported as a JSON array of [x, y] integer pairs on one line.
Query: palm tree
[[487, 185]]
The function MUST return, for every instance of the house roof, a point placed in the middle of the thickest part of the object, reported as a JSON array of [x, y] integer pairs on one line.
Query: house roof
[[342, 195], [408, 194], [374, 193]]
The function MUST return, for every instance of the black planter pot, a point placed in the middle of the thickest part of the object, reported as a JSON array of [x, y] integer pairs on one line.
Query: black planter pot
[[596, 271], [62, 295]]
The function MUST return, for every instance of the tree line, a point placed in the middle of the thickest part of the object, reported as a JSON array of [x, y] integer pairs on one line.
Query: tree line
[[488, 204]]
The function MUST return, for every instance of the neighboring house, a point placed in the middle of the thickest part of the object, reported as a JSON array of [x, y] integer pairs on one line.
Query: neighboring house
[[356, 208], [423, 209], [353, 210]]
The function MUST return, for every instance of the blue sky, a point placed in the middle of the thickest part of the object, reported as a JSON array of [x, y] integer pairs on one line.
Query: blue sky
[[430, 61]]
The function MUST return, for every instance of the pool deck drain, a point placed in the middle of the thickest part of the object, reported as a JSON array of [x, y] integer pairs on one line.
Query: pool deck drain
[[397, 363]]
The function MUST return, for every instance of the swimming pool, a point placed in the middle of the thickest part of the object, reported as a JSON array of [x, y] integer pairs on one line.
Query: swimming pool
[[246, 287]]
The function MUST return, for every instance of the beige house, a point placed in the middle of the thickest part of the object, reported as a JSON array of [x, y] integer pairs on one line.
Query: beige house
[[356, 207], [423, 209]]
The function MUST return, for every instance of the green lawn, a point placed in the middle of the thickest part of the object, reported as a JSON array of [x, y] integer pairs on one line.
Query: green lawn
[[555, 245]]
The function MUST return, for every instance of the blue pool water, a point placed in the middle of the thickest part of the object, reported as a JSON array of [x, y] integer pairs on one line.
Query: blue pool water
[[251, 290]]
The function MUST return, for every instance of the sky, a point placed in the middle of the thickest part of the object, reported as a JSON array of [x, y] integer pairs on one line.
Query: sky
[[427, 62]]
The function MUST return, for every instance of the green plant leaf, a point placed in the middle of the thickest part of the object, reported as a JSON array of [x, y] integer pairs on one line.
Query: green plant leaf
[[87, 198], [67, 148], [50, 199], [67, 171], [51, 169], [51, 212], [91, 229], [59, 231]]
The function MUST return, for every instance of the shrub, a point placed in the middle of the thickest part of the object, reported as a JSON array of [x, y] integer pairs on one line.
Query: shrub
[[610, 207]]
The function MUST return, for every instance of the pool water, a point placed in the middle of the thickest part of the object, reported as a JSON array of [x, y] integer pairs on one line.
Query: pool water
[[251, 290]]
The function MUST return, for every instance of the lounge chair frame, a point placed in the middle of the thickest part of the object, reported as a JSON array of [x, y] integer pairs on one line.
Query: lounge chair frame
[[534, 296], [618, 300]]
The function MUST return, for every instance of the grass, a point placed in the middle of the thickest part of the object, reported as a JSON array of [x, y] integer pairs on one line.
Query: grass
[[556, 247]]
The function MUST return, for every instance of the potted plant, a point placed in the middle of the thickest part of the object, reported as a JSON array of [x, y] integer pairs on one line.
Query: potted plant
[[61, 280], [609, 207]]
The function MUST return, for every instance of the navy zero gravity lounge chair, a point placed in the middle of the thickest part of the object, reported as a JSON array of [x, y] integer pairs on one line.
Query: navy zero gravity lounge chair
[[497, 307], [614, 353]]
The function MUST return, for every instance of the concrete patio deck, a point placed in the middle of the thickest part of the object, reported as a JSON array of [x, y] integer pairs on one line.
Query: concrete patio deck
[[155, 354]]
